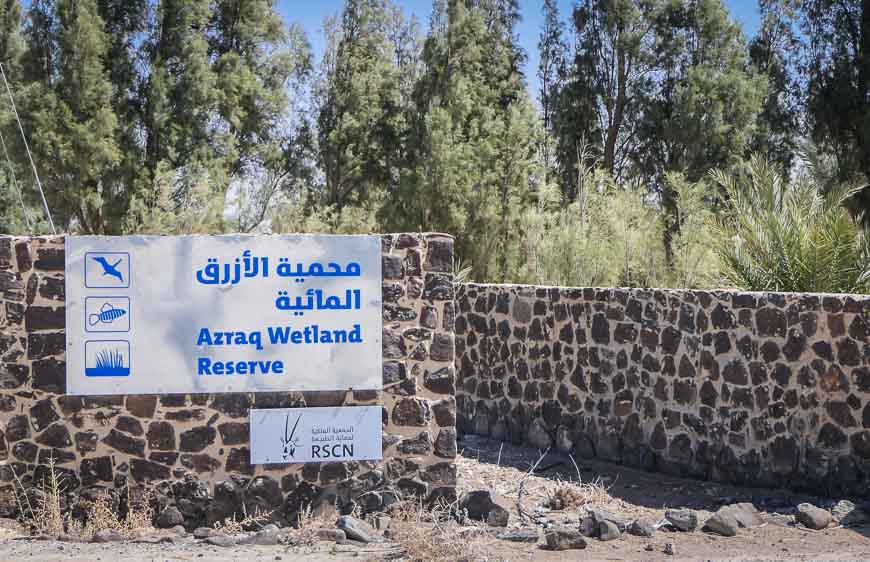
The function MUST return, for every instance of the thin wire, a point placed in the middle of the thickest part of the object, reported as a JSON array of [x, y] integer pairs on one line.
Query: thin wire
[[15, 183], [27, 148]]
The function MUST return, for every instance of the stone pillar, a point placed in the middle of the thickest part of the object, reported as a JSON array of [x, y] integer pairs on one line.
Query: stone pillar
[[192, 450]]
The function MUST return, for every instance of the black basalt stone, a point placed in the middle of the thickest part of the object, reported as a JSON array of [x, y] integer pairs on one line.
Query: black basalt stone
[[734, 372], [708, 394], [445, 443], [624, 333], [420, 445], [129, 425], [670, 340], [396, 313], [722, 318], [50, 259], [441, 348], [52, 289], [770, 322], [393, 345], [686, 368], [684, 391], [391, 267], [25, 451], [411, 412], [440, 381], [96, 469], [841, 413], [44, 318], [235, 405], [686, 320], [86, 441], [831, 437], [161, 436], [600, 329], [125, 443], [848, 352], [148, 471], [438, 287], [439, 255], [861, 444], [794, 346], [43, 414], [197, 439], [49, 375], [42, 345], [239, 460], [234, 433]]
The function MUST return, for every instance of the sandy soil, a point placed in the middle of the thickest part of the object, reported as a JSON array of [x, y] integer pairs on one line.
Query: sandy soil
[[634, 493], [484, 464]]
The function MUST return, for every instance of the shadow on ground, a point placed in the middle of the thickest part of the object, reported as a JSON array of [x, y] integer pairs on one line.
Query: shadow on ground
[[634, 487]]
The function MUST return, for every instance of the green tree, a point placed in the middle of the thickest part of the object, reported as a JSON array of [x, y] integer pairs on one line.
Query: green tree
[[616, 59], [552, 67], [71, 108], [836, 36], [772, 53], [780, 235], [474, 161], [364, 101], [17, 214], [708, 90]]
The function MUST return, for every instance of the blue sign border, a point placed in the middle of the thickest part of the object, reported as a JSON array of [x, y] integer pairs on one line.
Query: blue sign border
[[129, 317], [129, 358], [129, 270]]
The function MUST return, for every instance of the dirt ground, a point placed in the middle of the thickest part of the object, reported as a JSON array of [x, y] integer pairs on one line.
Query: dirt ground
[[487, 465]]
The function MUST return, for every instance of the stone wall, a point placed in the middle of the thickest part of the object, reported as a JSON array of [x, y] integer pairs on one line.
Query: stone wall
[[752, 388], [193, 450]]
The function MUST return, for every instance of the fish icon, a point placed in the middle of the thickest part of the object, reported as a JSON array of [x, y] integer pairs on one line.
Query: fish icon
[[109, 268], [107, 315]]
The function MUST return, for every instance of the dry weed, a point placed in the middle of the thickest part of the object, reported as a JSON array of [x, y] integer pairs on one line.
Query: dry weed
[[46, 516], [572, 495], [306, 533], [233, 526], [430, 534]]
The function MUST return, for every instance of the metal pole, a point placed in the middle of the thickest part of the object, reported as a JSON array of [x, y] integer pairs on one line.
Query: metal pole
[[27, 148]]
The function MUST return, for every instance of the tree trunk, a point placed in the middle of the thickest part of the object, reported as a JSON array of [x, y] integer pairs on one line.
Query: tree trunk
[[615, 124]]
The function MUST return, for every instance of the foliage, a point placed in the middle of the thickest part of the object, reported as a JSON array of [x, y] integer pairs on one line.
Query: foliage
[[609, 236], [780, 235], [834, 40], [208, 116]]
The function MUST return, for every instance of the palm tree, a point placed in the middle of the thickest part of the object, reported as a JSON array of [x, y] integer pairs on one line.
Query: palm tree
[[780, 235]]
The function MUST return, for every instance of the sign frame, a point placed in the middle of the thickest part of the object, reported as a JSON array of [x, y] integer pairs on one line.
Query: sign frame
[[191, 333]]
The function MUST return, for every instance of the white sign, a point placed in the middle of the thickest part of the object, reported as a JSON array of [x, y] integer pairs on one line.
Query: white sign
[[204, 314], [291, 435]]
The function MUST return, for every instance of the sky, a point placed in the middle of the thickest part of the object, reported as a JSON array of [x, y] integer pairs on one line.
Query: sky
[[310, 14]]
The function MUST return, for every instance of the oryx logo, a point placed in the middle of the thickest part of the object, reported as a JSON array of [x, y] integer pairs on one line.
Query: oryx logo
[[289, 441]]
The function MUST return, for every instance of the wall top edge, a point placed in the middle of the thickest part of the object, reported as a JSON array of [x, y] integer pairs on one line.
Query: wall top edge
[[712, 291], [60, 237]]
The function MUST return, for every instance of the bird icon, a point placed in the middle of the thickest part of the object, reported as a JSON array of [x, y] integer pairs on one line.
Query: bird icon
[[110, 269]]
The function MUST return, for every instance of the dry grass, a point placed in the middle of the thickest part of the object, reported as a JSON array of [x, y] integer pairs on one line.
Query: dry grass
[[233, 525], [430, 534], [44, 515], [305, 535], [568, 495]]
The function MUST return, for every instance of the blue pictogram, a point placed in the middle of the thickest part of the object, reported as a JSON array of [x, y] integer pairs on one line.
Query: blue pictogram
[[107, 358], [107, 270], [107, 314]]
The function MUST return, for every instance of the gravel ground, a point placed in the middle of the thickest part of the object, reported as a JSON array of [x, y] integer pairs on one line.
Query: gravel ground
[[483, 464]]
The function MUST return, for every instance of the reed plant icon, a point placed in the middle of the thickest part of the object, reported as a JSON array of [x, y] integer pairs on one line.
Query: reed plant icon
[[108, 359]]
